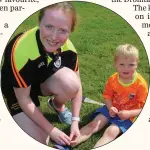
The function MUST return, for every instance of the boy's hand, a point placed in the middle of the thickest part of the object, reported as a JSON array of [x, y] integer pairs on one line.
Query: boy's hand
[[124, 114], [74, 132], [113, 111]]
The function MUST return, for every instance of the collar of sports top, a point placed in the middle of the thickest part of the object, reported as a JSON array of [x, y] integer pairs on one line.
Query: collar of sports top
[[54, 55]]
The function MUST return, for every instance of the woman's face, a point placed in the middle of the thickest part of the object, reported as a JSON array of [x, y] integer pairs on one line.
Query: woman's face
[[55, 28]]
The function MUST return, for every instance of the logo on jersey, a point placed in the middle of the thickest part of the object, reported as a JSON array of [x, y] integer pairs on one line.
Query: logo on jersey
[[57, 63], [131, 96], [41, 64]]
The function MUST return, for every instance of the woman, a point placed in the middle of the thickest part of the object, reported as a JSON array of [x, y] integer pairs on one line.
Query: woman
[[43, 61]]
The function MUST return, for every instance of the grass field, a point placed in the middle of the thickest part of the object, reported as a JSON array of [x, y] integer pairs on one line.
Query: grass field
[[98, 32]]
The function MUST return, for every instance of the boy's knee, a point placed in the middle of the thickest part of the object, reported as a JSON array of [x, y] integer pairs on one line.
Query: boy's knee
[[112, 131]]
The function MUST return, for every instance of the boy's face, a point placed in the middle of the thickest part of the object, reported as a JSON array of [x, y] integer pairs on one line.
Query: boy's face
[[126, 66]]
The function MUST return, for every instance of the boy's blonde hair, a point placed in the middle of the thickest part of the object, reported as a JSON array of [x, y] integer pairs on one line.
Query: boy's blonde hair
[[127, 50]]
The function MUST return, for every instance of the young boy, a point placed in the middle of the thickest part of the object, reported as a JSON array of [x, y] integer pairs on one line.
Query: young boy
[[124, 97]]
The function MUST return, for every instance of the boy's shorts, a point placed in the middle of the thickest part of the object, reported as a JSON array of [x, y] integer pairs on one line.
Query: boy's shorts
[[124, 125], [12, 102]]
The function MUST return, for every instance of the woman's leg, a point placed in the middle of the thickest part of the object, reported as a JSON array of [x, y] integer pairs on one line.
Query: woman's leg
[[109, 135], [31, 128], [64, 85], [94, 126]]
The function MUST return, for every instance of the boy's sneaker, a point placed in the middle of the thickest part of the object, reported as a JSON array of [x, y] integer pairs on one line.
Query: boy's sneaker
[[65, 116]]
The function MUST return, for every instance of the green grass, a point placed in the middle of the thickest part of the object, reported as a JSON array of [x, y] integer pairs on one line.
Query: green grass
[[98, 32]]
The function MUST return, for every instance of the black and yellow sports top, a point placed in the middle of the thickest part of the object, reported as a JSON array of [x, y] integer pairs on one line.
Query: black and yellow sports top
[[26, 62]]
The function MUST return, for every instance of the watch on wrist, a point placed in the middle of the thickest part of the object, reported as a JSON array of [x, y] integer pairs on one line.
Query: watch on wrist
[[75, 118]]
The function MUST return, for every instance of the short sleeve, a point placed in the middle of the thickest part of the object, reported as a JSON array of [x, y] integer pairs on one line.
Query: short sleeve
[[24, 77], [142, 93], [108, 91], [70, 56], [69, 46]]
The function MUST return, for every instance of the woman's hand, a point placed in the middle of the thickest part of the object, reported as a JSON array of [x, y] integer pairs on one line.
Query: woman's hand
[[59, 137], [113, 111], [74, 131]]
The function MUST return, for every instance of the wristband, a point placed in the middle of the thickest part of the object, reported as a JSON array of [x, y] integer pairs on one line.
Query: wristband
[[75, 118]]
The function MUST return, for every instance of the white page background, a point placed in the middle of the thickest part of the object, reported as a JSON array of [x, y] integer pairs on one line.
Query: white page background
[[12, 137]]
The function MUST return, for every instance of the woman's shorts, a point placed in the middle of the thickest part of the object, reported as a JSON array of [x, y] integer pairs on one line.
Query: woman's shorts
[[12, 102]]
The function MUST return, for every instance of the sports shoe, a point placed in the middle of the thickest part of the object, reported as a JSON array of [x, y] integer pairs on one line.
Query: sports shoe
[[62, 147], [65, 116]]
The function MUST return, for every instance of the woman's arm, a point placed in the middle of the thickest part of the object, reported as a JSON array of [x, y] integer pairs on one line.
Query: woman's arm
[[77, 101], [76, 106], [29, 108]]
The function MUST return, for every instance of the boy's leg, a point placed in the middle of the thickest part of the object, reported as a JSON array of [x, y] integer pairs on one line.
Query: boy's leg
[[31, 128], [109, 135], [94, 126]]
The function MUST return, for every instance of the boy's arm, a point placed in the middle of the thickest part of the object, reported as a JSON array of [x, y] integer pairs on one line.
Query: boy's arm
[[142, 92], [108, 103], [135, 112], [108, 94], [112, 110], [127, 114]]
